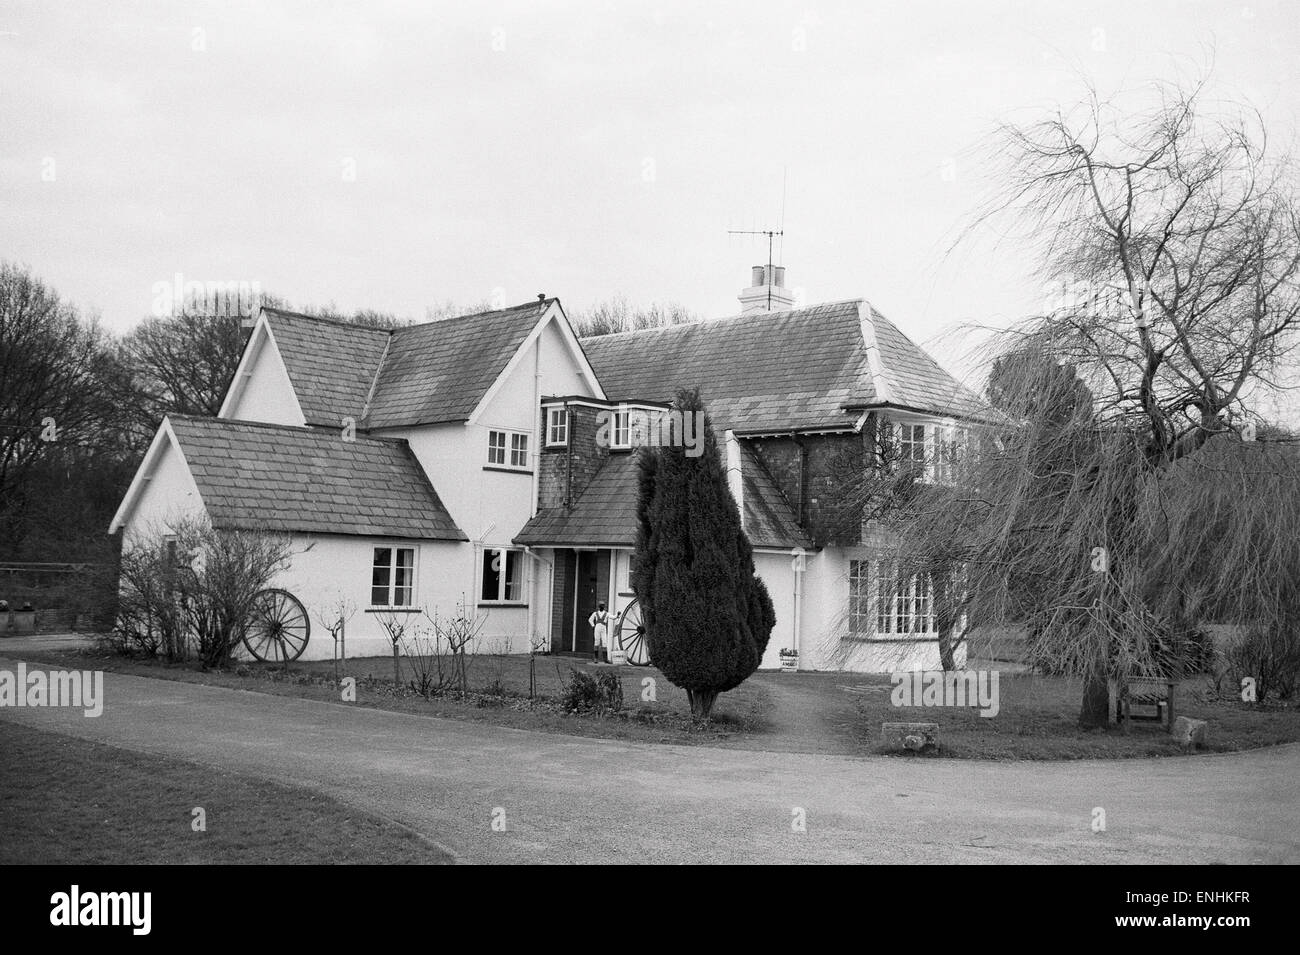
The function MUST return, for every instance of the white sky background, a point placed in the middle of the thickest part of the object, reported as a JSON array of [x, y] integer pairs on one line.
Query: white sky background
[[606, 149]]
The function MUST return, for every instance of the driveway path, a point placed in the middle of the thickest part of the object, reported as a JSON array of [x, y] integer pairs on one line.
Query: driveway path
[[568, 799]]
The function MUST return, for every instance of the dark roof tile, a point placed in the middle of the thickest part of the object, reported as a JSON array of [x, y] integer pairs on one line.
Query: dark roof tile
[[321, 484], [421, 374]]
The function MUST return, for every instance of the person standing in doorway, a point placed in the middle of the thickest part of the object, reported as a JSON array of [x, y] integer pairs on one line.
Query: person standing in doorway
[[599, 621]]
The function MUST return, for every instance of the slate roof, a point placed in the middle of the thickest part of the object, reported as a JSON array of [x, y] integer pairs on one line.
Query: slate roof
[[259, 476], [778, 371], [770, 521], [439, 371], [422, 374], [330, 364], [605, 514]]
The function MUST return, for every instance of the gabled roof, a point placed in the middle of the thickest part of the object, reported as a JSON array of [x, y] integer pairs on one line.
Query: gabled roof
[[439, 371], [331, 364], [430, 373], [778, 371], [605, 514], [307, 480]]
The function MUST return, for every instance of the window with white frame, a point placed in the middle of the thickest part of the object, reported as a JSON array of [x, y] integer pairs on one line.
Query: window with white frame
[[508, 449], [519, 450], [392, 577], [861, 621], [950, 444], [912, 451], [904, 605], [622, 431], [503, 576], [557, 427]]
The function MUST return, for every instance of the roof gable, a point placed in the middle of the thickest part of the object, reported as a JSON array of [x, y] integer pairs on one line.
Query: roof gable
[[422, 374], [330, 364], [440, 371]]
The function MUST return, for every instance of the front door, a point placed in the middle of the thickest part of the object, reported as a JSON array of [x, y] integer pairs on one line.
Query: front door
[[591, 587]]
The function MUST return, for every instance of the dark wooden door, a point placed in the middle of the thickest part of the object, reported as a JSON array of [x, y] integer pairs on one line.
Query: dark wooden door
[[592, 583], [565, 572]]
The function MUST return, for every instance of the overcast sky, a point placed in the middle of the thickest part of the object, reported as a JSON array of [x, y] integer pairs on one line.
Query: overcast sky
[[581, 150]]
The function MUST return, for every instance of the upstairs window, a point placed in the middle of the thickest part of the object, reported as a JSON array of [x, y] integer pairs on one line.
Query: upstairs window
[[931, 451], [622, 431], [392, 577], [950, 444], [911, 447], [557, 427], [497, 448], [508, 449]]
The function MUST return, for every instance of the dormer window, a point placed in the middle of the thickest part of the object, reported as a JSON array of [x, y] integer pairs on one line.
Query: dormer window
[[557, 427], [621, 434]]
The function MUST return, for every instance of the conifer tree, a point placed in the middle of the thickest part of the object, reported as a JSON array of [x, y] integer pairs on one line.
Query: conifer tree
[[707, 614]]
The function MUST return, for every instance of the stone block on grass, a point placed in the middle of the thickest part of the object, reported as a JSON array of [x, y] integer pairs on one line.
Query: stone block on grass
[[910, 737], [1189, 732]]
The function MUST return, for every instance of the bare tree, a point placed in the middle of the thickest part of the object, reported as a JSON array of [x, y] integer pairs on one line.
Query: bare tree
[[54, 390], [1174, 242], [618, 315], [179, 365]]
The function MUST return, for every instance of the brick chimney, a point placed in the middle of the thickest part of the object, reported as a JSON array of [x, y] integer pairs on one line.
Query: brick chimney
[[767, 293]]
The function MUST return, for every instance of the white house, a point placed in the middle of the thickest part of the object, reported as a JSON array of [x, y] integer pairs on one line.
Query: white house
[[459, 460]]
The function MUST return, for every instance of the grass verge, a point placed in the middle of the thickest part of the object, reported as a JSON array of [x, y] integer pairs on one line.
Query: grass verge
[[69, 801]]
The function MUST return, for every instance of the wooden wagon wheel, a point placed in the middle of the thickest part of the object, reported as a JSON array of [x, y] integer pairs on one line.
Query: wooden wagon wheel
[[278, 627], [632, 637]]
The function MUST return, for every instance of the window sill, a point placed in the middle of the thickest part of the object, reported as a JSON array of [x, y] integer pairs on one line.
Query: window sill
[[892, 638], [555, 447], [501, 467], [502, 603]]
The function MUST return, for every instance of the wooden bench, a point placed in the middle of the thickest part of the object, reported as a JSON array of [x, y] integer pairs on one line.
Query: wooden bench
[[1157, 696]]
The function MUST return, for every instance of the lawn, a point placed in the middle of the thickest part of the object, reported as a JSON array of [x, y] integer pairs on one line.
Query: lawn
[[834, 713], [66, 801], [1038, 719]]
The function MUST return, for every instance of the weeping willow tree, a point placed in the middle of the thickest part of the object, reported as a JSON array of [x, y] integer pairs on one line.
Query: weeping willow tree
[[1128, 493]]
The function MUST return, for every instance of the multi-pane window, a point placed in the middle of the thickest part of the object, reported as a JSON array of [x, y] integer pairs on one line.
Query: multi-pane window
[[860, 619], [508, 449], [502, 576], [392, 577], [931, 451], [904, 605], [519, 450], [622, 429], [950, 444], [911, 446], [557, 427]]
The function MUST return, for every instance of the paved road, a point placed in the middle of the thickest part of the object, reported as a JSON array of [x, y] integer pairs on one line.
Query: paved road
[[567, 799]]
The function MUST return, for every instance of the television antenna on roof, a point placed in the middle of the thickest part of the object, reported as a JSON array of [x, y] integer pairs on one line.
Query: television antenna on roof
[[771, 234]]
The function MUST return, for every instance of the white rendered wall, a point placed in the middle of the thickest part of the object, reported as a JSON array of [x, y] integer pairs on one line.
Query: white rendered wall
[[265, 394], [168, 495]]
